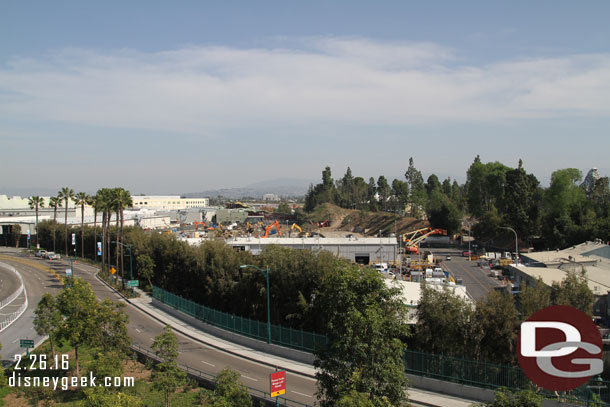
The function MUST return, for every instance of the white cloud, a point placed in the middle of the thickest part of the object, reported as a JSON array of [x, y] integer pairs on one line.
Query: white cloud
[[203, 90]]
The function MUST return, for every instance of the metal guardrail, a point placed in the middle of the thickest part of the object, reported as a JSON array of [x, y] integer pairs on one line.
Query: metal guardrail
[[15, 314], [283, 336], [210, 378]]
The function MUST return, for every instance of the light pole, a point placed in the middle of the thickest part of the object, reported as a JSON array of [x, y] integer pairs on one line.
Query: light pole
[[469, 254], [128, 246], [266, 273], [516, 244]]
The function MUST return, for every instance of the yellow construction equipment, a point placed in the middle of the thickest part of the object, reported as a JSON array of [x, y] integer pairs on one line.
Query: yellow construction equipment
[[295, 226]]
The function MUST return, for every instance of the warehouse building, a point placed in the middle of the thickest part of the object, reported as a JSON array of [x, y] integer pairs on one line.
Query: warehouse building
[[362, 250]]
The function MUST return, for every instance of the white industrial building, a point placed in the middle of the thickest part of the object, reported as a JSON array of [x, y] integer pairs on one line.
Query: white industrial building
[[363, 250], [168, 202]]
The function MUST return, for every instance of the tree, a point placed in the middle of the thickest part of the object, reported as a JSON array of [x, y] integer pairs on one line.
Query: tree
[[145, 267], [499, 323], [82, 199], [574, 291], [519, 206], [36, 202], [48, 319], [167, 376], [283, 207], [228, 391], [442, 213], [432, 184], [417, 188], [366, 324], [371, 192], [400, 190], [66, 194], [103, 397], [55, 202], [534, 298], [111, 323], [383, 189], [78, 305], [508, 398]]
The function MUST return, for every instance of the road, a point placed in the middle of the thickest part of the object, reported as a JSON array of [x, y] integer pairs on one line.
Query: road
[[37, 281], [477, 282], [142, 329]]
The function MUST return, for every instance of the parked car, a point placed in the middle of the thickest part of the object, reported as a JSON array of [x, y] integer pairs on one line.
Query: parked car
[[448, 258], [52, 256], [40, 253]]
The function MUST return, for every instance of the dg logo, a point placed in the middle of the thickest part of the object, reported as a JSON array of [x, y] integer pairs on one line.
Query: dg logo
[[560, 348]]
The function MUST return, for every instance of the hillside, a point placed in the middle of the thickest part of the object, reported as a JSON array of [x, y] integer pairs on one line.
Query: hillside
[[363, 222]]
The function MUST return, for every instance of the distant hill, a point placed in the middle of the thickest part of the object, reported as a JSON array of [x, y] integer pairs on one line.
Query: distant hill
[[282, 187]]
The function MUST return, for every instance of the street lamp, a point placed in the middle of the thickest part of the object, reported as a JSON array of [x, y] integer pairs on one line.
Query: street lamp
[[266, 273], [469, 254], [516, 244], [128, 246]]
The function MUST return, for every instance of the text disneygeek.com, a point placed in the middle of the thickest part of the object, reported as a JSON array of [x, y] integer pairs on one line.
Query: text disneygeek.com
[[37, 363]]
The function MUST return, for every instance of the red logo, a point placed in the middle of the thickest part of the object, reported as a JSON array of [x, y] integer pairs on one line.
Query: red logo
[[560, 348]]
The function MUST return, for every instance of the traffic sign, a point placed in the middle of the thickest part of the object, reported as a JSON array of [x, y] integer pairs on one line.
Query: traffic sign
[[133, 283], [112, 270], [26, 343], [68, 272], [277, 383]]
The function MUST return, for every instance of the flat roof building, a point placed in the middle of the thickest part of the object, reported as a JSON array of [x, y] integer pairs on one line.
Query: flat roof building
[[168, 202]]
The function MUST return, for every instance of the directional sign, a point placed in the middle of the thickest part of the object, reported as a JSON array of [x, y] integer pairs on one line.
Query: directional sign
[[112, 270], [26, 343], [68, 272], [133, 283], [277, 383]]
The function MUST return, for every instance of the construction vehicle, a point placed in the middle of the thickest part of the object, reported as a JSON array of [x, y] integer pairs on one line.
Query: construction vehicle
[[199, 223], [412, 243], [295, 226], [323, 224], [277, 226], [249, 228]]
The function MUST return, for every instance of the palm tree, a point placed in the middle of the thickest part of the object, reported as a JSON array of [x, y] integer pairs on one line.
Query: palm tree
[[82, 199], [55, 202], [36, 202], [94, 202], [124, 201], [66, 194]]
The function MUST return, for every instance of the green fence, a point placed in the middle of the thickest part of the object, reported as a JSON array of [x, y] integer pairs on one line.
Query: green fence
[[283, 336], [492, 376]]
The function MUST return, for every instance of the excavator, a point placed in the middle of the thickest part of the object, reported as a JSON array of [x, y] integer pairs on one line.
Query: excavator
[[277, 226], [297, 227], [411, 242], [199, 223]]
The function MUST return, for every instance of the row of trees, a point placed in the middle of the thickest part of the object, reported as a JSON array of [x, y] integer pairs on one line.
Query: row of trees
[[487, 330]]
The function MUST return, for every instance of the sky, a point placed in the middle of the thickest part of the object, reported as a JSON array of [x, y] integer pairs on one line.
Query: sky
[[174, 97]]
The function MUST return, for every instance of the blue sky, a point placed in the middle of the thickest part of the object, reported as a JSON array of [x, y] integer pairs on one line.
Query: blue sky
[[171, 97]]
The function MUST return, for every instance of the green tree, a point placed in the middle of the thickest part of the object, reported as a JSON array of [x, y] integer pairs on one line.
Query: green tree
[[442, 213], [36, 202], [55, 202], [371, 193], [498, 321], [65, 195], [228, 391], [167, 376], [519, 207], [145, 267], [534, 298], [509, 398], [432, 184], [111, 323], [400, 190], [103, 397], [417, 188], [574, 291], [366, 324], [383, 189], [283, 207], [48, 319], [78, 305], [81, 199]]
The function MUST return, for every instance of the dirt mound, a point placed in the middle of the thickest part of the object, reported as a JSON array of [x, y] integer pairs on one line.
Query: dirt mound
[[363, 222]]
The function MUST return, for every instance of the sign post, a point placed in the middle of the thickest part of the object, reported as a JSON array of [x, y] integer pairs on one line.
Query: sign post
[[27, 344], [277, 385], [133, 283]]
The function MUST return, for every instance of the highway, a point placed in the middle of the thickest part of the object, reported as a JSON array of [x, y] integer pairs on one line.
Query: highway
[[142, 329]]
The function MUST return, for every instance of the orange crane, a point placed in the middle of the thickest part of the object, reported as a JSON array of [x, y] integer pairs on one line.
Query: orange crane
[[412, 243], [277, 226]]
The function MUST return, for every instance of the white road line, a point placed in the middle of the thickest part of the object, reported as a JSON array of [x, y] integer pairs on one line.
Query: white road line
[[15, 340], [250, 378], [138, 331], [300, 394], [209, 364]]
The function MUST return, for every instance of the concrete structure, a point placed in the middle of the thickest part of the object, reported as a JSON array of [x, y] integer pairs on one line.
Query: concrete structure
[[168, 202], [359, 250]]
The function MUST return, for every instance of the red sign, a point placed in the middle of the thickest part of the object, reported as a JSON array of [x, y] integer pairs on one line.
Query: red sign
[[560, 348], [277, 383]]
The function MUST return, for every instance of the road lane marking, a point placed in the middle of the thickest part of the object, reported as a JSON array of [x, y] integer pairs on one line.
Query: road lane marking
[[250, 378], [138, 331], [209, 364], [301, 394]]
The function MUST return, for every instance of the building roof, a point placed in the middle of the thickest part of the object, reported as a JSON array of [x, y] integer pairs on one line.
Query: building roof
[[360, 241], [598, 279]]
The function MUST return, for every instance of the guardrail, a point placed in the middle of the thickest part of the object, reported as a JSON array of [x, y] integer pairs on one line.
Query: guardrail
[[12, 317], [280, 335], [210, 378]]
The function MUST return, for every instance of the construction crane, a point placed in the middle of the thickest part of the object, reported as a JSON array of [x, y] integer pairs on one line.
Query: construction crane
[[411, 245], [277, 226]]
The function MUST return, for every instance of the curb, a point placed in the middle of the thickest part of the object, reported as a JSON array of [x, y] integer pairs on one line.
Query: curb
[[188, 335]]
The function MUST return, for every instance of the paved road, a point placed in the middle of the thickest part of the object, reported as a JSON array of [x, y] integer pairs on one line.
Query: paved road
[[9, 283], [37, 281], [477, 282]]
